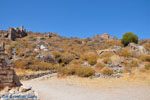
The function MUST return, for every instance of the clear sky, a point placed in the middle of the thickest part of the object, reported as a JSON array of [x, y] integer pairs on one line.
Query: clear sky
[[78, 18]]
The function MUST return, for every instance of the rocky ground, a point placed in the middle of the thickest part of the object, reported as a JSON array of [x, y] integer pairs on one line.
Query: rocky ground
[[50, 87]]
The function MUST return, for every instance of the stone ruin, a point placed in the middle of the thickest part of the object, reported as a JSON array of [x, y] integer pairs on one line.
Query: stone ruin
[[7, 73], [105, 36], [14, 33]]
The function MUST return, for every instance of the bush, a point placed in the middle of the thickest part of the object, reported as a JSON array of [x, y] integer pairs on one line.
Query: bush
[[124, 53], [68, 71], [134, 63], [128, 38], [78, 70], [100, 65], [147, 66], [34, 65], [147, 46], [145, 58], [85, 71], [107, 60], [63, 58], [56, 67], [91, 57], [76, 62], [127, 69], [107, 71], [106, 54]]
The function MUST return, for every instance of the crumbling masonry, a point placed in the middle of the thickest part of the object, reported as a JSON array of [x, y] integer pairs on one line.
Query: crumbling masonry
[[7, 74], [14, 33]]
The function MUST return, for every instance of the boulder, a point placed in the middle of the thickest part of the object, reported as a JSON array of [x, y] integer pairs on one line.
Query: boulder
[[24, 89], [138, 49]]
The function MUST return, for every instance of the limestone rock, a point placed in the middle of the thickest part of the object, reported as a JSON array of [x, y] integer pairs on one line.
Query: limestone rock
[[137, 49]]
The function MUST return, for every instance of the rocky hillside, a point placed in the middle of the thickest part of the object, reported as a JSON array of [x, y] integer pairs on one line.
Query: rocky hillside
[[99, 55]]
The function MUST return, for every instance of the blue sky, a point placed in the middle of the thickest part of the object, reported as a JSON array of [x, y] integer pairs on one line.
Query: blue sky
[[78, 18]]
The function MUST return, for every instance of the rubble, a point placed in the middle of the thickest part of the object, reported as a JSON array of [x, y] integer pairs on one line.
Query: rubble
[[18, 93]]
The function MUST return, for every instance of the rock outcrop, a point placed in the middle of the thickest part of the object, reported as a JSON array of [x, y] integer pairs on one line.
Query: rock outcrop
[[114, 50], [137, 49]]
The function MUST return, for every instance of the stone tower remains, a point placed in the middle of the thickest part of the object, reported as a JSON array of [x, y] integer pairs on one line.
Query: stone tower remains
[[14, 33], [21, 28], [7, 74]]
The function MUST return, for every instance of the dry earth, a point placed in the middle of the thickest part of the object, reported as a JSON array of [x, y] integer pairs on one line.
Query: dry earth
[[50, 87]]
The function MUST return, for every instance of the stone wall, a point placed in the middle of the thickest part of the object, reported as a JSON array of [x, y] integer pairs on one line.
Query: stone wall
[[7, 74], [14, 33], [32, 76]]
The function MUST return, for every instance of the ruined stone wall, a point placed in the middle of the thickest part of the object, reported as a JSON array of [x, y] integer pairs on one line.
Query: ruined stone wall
[[16, 33], [7, 74]]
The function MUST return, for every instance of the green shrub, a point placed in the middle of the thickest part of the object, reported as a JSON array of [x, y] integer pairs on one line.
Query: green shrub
[[128, 38]]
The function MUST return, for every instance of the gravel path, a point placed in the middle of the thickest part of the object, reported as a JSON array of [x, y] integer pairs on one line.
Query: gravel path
[[51, 88]]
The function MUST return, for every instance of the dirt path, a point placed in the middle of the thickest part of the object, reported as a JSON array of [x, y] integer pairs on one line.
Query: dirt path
[[51, 88]]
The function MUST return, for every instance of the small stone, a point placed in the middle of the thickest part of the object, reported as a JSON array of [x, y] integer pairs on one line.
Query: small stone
[[24, 89], [97, 75], [12, 91], [7, 89]]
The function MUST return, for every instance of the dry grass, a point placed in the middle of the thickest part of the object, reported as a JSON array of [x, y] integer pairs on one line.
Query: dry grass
[[106, 54], [91, 57], [142, 79], [34, 65], [22, 72], [78, 70], [124, 53]]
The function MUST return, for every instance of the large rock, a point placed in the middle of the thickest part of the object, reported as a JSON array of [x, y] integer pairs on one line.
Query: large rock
[[137, 49], [46, 57]]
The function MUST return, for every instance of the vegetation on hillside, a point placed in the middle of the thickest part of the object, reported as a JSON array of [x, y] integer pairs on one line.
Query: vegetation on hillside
[[75, 56], [129, 37]]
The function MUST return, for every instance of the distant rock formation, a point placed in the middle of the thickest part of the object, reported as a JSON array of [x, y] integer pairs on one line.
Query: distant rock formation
[[7, 74]]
